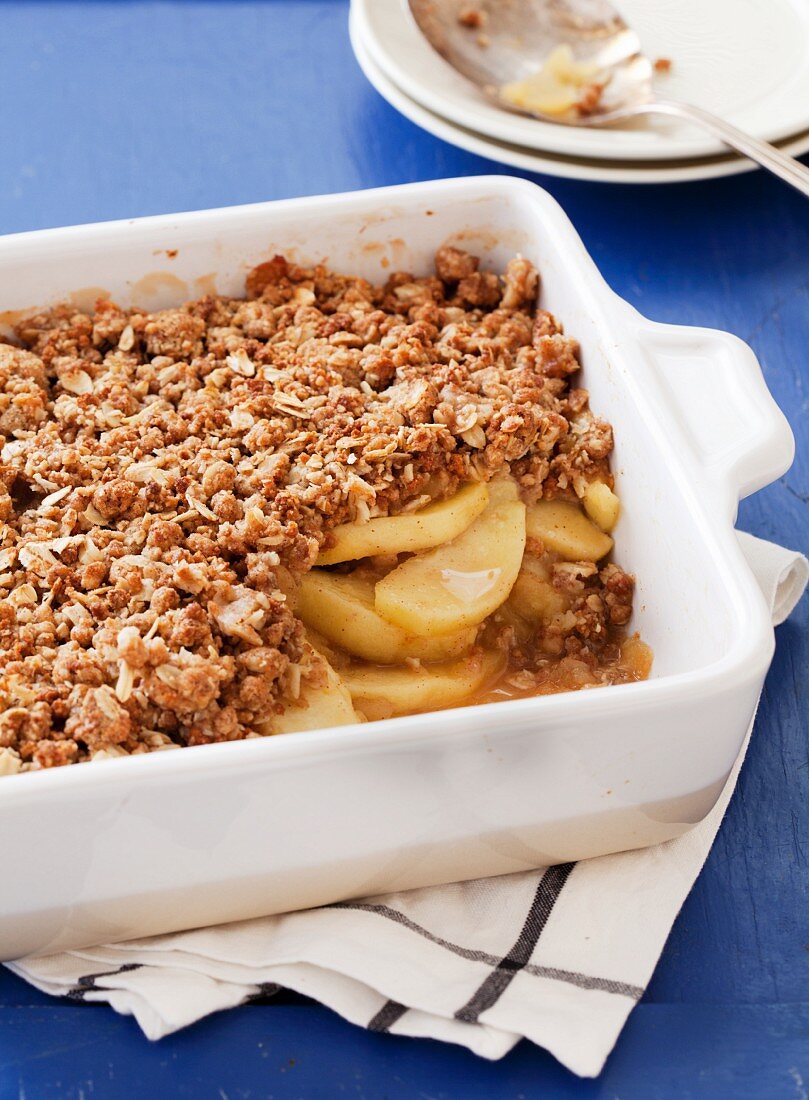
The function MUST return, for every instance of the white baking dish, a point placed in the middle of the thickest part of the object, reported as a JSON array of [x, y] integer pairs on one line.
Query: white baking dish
[[154, 843]]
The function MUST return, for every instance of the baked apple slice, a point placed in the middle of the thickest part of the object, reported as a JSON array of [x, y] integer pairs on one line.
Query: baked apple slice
[[386, 692], [410, 532], [562, 527], [341, 609], [318, 707], [459, 584], [533, 596], [601, 505]]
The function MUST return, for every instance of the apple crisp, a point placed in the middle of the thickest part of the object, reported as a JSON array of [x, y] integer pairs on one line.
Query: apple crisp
[[170, 479]]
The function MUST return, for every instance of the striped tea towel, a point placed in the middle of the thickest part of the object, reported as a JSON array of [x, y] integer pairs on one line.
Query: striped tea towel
[[559, 956]]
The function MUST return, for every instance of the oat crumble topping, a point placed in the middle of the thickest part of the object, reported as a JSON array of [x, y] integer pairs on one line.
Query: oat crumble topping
[[168, 477]]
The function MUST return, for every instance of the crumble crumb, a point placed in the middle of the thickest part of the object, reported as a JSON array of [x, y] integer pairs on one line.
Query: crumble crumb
[[473, 18]]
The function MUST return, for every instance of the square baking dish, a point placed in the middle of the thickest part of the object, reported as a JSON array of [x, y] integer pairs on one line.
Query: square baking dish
[[155, 843]]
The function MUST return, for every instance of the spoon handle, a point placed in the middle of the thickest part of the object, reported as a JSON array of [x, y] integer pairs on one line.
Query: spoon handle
[[780, 164]]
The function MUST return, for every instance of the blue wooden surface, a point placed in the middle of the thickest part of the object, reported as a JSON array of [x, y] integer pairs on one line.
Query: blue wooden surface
[[113, 109]]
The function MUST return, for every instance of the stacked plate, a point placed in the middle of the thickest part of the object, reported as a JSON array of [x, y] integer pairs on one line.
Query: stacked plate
[[744, 60]]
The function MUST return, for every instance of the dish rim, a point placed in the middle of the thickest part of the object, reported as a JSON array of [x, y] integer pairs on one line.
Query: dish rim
[[746, 658]]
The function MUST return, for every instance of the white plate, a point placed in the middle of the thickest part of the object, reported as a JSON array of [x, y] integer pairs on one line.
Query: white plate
[[746, 60], [548, 163]]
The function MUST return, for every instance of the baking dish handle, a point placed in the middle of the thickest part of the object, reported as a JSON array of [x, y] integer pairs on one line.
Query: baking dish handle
[[714, 391]]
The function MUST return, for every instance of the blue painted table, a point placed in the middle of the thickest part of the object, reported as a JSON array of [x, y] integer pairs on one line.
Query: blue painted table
[[113, 109]]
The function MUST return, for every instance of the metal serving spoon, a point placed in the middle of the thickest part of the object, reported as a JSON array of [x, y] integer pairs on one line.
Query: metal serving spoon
[[495, 43]]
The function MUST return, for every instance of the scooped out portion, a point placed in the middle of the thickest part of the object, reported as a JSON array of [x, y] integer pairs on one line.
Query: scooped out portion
[[483, 617]]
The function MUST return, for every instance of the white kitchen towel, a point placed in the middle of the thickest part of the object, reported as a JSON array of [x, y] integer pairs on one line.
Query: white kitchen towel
[[559, 956]]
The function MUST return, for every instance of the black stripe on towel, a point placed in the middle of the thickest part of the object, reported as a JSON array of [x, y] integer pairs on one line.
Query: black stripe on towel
[[490, 991], [87, 983], [387, 1016], [572, 977]]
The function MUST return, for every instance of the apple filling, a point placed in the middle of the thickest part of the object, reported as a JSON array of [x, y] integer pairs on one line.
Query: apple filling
[[465, 601]]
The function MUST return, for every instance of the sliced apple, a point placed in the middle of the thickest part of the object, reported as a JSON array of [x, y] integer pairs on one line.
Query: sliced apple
[[341, 609], [386, 692], [410, 532], [533, 596], [502, 489], [329, 704], [336, 657], [601, 505], [458, 585], [563, 528]]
